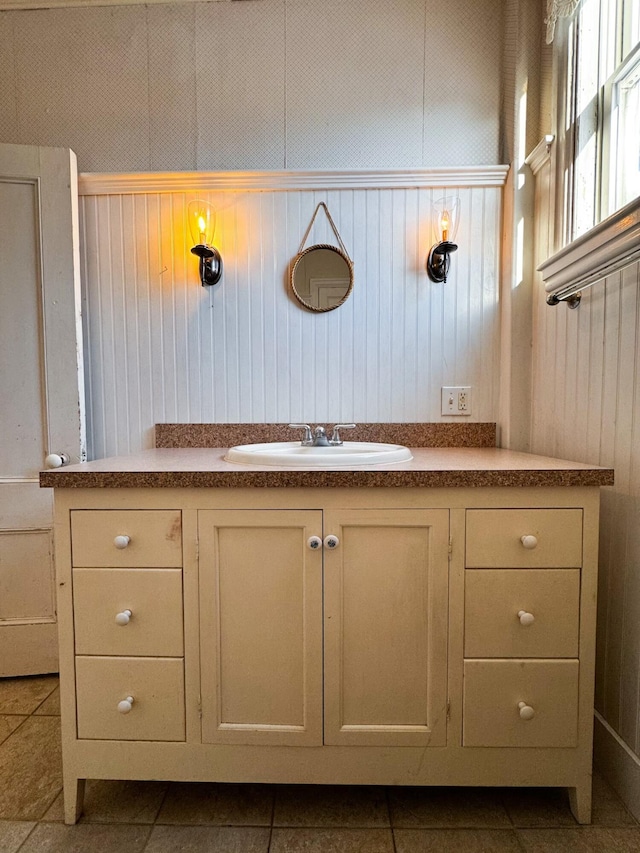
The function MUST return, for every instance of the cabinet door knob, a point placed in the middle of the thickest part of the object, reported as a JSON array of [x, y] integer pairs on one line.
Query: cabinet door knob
[[526, 711], [314, 542], [121, 541], [125, 705], [529, 542], [123, 618], [331, 541], [526, 618]]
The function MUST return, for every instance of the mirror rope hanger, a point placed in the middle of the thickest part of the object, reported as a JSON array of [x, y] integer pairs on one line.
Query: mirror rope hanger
[[321, 276], [333, 226]]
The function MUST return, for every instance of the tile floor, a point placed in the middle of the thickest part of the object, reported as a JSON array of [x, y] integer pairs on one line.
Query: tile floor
[[157, 817]]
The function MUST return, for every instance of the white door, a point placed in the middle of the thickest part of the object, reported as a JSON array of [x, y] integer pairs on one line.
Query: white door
[[41, 397]]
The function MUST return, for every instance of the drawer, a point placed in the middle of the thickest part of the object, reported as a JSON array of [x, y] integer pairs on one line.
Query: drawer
[[494, 689], [156, 686], [154, 624], [148, 538], [548, 628], [524, 538]]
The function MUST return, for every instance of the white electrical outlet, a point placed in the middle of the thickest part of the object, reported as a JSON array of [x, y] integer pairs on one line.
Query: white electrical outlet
[[456, 400]]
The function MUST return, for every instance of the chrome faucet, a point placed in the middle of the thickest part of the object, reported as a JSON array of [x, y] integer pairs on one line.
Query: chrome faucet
[[319, 437]]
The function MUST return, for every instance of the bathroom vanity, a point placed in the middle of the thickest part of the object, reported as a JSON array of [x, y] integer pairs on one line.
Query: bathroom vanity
[[427, 623]]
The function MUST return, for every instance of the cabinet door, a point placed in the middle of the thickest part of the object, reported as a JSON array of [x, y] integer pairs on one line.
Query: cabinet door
[[386, 585], [261, 626]]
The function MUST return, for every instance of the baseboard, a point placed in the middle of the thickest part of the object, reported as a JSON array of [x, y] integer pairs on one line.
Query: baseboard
[[618, 764]]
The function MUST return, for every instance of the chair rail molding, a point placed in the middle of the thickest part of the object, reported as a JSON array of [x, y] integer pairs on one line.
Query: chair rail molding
[[107, 183], [609, 246], [540, 154]]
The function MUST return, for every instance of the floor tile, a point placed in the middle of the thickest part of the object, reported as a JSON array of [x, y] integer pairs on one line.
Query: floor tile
[[208, 839], [330, 805], [305, 840], [55, 812], [30, 769], [86, 838], [108, 801], [538, 807], [217, 804], [9, 723], [608, 809], [23, 695], [456, 841], [584, 839], [447, 807], [51, 705], [13, 833]]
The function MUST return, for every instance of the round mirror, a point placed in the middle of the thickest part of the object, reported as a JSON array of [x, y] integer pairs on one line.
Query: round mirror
[[321, 278]]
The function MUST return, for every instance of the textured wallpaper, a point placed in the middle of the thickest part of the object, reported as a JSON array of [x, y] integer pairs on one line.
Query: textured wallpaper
[[262, 84]]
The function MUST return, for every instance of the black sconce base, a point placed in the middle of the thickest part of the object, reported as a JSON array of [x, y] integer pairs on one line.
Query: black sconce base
[[210, 264], [438, 260]]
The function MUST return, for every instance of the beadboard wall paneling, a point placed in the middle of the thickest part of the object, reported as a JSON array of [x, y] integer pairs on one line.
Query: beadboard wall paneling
[[586, 407], [160, 348]]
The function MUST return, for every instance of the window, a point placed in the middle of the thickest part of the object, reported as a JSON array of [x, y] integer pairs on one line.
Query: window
[[624, 177], [601, 53]]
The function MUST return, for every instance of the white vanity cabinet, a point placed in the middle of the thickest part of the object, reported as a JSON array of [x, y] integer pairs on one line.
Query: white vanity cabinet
[[413, 636]]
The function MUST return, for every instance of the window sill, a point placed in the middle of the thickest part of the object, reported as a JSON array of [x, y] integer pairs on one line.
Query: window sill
[[612, 244]]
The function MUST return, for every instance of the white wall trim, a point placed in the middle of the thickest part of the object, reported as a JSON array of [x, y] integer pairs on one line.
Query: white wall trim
[[541, 154], [107, 183], [618, 764], [611, 245]]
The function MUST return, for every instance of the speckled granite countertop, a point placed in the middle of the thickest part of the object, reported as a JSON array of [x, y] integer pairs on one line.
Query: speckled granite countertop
[[204, 467], [410, 434]]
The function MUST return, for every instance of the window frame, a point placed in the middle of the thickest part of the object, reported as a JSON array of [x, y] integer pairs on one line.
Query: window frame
[[615, 52]]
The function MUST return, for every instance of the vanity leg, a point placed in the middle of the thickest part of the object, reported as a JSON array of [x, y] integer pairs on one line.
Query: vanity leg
[[580, 801], [73, 792]]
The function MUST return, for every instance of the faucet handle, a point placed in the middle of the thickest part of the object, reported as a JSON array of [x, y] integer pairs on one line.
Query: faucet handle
[[335, 437], [308, 438]]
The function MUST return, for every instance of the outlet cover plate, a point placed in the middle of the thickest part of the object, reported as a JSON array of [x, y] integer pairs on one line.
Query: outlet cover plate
[[456, 400]]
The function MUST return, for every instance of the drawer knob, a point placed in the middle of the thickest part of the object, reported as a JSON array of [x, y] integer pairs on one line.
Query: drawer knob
[[123, 618], [122, 541], [526, 618], [526, 711], [314, 542], [125, 705], [331, 541], [529, 542]]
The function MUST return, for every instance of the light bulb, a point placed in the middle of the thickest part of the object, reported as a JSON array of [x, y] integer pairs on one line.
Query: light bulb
[[202, 222], [445, 222]]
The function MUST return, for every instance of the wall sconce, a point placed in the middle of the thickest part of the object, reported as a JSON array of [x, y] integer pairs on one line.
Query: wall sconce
[[445, 226], [202, 224]]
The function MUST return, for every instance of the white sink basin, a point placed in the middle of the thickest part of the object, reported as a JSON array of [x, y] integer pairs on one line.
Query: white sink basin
[[293, 454]]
